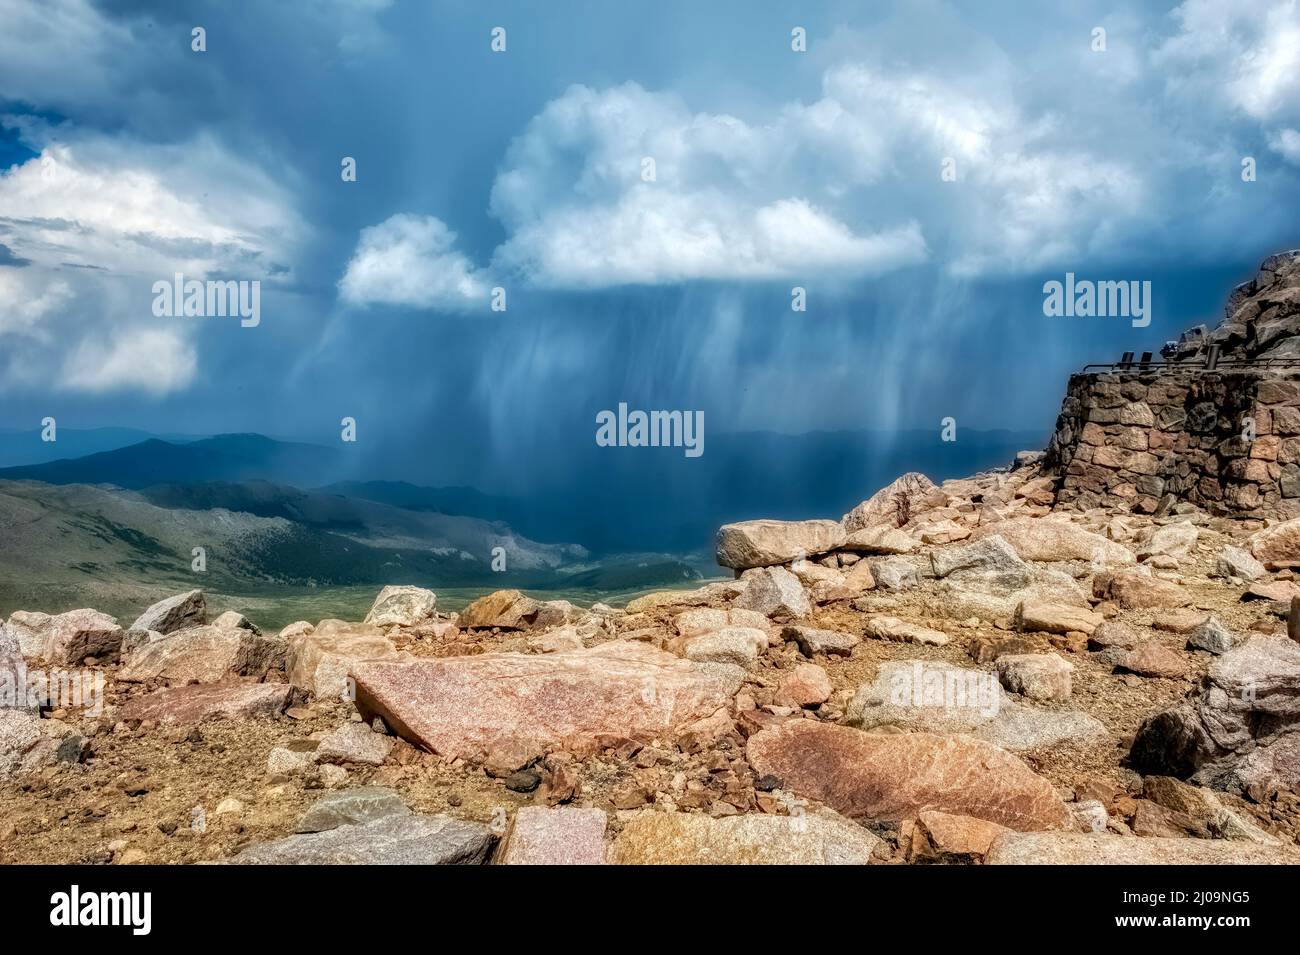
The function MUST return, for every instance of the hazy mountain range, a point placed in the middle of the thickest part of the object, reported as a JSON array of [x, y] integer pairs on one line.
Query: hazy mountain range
[[121, 522], [612, 500]]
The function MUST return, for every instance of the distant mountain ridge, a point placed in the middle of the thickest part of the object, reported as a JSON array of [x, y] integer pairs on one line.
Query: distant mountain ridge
[[611, 500], [224, 457], [18, 448]]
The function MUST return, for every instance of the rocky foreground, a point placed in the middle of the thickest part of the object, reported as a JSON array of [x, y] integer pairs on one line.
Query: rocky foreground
[[949, 673]]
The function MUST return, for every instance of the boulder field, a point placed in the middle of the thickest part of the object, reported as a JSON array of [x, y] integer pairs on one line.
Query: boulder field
[[950, 673]]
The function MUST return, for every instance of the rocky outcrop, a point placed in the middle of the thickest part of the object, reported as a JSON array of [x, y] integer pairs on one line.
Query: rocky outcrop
[[178, 612], [205, 654], [763, 543], [71, 637], [891, 505], [1241, 732]]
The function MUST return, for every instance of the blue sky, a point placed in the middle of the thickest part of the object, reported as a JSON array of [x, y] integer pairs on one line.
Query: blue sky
[[125, 157]]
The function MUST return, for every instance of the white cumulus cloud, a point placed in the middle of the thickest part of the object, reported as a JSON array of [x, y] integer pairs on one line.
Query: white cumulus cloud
[[412, 261], [725, 199], [91, 222]]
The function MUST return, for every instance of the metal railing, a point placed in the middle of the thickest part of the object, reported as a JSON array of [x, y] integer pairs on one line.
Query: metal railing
[[1206, 363]]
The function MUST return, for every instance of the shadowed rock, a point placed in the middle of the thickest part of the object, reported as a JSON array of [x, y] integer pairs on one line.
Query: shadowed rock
[[504, 609], [29, 743], [1037, 676], [1171, 540], [1241, 731], [178, 612], [204, 655], [1213, 636], [775, 593], [1049, 617], [1279, 543], [987, 557], [737, 645], [234, 620], [29, 630], [813, 641], [950, 838], [880, 539], [1139, 590], [71, 637], [894, 501], [1237, 564], [885, 627]]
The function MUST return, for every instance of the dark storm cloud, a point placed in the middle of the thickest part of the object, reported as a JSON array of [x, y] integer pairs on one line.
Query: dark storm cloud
[[818, 169]]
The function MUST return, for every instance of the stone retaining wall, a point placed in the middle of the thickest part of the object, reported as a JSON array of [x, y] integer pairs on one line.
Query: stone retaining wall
[[1146, 440]]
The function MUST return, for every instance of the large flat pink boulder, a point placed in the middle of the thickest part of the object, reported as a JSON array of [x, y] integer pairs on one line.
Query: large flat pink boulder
[[191, 705], [577, 700], [891, 776]]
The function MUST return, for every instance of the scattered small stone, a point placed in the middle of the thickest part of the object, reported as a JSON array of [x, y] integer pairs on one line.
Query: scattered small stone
[[1154, 659], [524, 781], [1036, 676], [351, 807], [1213, 636]]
